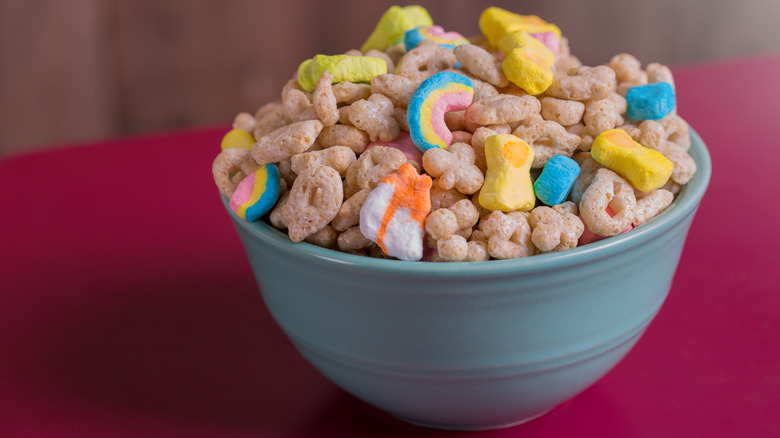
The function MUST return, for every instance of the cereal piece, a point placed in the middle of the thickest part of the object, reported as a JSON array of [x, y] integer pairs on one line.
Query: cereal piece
[[508, 185], [588, 168], [342, 67], [394, 24], [650, 101], [456, 121], [604, 114], [437, 95], [434, 33], [237, 138], [659, 73], [341, 135], [564, 59], [454, 167], [645, 168], [589, 237], [441, 198], [424, 61], [677, 131], [547, 139], [398, 88], [270, 117], [344, 115], [245, 122], [554, 183], [326, 237], [372, 166], [452, 248], [478, 144], [482, 64], [324, 101], [383, 56], [297, 104], [232, 161], [276, 218], [583, 83], [586, 141], [404, 144], [314, 200], [495, 22], [554, 229], [394, 213], [684, 165], [628, 72], [349, 92], [399, 115], [509, 235], [442, 223], [461, 137], [650, 204], [352, 240], [375, 116], [528, 63], [286, 142], [550, 39], [608, 189], [504, 108], [256, 194], [561, 111], [337, 157], [349, 213]]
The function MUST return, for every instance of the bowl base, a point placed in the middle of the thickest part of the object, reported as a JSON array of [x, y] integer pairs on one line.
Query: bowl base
[[476, 428]]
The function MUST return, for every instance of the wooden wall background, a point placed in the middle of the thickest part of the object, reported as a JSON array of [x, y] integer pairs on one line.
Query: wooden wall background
[[83, 69]]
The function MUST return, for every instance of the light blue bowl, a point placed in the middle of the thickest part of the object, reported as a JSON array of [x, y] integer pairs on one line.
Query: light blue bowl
[[472, 345]]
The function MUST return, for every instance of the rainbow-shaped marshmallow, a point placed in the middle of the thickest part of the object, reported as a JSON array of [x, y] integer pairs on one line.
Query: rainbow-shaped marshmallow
[[256, 194], [436, 34], [441, 93]]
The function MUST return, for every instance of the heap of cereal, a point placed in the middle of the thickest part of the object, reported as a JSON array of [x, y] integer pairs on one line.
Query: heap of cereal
[[427, 145]]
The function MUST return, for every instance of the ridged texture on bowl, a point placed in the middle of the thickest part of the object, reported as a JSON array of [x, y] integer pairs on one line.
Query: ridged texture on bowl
[[472, 345]]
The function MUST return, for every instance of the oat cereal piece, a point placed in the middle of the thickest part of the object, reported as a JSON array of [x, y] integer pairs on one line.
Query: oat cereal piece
[[509, 235], [456, 121], [586, 141], [424, 61], [608, 189], [684, 166], [314, 200], [503, 108], [628, 72], [325, 237], [649, 204], [297, 104], [441, 223], [677, 131], [454, 168], [441, 198], [554, 229], [561, 111], [352, 240], [353, 52], [286, 142], [373, 53], [269, 117], [588, 168], [341, 135], [583, 83], [478, 144], [245, 122], [229, 162], [452, 248], [631, 129], [275, 217], [348, 92], [449, 228], [652, 134], [337, 157], [659, 73], [349, 212], [371, 167], [547, 139], [604, 114], [344, 115], [482, 64], [461, 137], [324, 101], [398, 88], [375, 116]]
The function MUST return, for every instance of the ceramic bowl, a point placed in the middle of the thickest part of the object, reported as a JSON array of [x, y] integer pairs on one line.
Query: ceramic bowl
[[475, 345]]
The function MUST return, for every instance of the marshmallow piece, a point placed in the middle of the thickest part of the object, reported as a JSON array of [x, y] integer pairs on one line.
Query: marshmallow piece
[[556, 179], [256, 194], [495, 22], [650, 101], [643, 167], [550, 39], [395, 22], [436, 34], [441, 93], [528, 62], [344, 68], [393, 215], [237, 138], [508, 185]]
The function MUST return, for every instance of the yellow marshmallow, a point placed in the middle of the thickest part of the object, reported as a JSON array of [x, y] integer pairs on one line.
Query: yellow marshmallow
[[523, 40], [495, 22], [237, 138], [344, 68], [645, 168], [393, 26], [508, 185]]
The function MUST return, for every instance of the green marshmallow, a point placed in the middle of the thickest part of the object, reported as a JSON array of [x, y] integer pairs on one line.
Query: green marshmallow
[[344, 68], [394, 24]]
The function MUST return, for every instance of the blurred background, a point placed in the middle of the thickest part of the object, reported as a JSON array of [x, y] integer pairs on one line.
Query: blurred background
[[79, 70]]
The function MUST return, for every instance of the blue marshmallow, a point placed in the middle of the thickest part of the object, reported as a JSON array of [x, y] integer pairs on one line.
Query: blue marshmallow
[[650, 101], [556, 179]]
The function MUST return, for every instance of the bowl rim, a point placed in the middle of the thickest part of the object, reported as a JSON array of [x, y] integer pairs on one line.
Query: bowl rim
[[684, 204]]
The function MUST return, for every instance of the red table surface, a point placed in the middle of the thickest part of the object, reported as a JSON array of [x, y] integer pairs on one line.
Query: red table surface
[[128, 307]]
